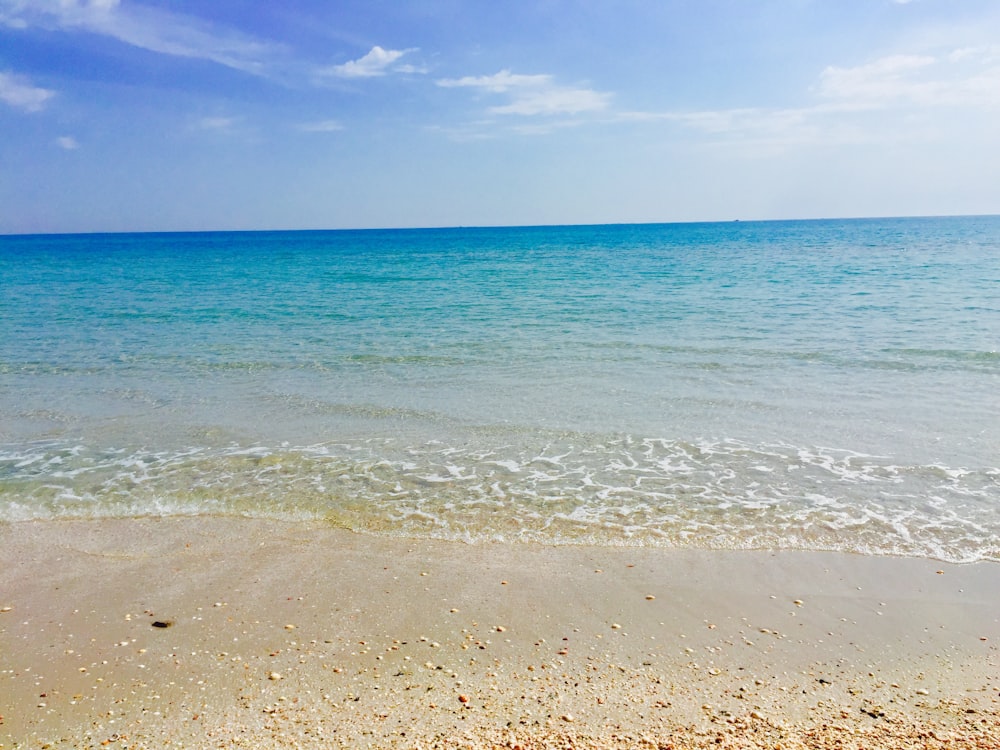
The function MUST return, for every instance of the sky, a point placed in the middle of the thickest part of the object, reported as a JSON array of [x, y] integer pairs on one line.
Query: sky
[[149, 115]]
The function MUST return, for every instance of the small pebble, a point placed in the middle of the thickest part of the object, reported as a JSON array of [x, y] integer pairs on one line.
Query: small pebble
[[650, 597], [568, 717], [274, 675], [289, 627], [615, 626]]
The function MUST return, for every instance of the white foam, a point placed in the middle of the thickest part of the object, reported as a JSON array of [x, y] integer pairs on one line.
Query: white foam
[[722, 493]]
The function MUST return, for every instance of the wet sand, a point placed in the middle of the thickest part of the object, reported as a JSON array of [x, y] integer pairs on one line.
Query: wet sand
[[209, 632]]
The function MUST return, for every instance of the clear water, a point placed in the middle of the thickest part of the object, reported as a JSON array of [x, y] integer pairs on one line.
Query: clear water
[[823, 384]]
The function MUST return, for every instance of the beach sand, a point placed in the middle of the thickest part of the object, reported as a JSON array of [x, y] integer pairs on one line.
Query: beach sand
[[221, 632]]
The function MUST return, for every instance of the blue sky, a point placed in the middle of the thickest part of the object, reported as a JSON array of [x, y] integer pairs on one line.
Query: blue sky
[[119, 115]]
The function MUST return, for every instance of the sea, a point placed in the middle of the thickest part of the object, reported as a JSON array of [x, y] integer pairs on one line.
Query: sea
[[821, 385]]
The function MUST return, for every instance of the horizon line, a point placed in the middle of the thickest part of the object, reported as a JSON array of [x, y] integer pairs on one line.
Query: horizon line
[[495, 226]]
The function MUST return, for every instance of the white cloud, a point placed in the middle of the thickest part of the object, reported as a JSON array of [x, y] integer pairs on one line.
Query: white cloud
[[532, 94], [787, 127], [883, 79], [67, 142], [498, 82], [894, 97], [323, 126], [963, 77], [545, 127], [555, 101], [216, 124], [145, 27], [410, 69], [16, 91], [377, 62]]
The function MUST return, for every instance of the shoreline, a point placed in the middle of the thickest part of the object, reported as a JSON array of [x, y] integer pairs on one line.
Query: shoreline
[[283, 634]]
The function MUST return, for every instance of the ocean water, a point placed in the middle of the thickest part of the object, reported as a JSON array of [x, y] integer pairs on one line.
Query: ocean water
[[807, 384]]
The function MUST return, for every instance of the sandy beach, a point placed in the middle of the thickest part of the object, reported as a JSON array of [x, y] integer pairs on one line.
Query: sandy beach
[[222, 632]]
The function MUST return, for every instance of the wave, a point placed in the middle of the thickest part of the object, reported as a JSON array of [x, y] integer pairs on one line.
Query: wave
[[568, 489]]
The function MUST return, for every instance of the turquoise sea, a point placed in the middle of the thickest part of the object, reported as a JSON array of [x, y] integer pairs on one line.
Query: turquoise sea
[[801, 384]]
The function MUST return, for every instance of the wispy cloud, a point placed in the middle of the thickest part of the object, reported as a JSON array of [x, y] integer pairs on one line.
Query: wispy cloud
[[322, 126], [863, 103], [966, 76], [777, 128], [498, 82], [157, 29], [145, 27], [19, 93], [216, 124], [532, 94], [555, 101], [67, 142], [378, 62], [882, 80]]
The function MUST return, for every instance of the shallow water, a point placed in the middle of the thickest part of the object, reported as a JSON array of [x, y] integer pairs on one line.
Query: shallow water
[[823, 384]]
